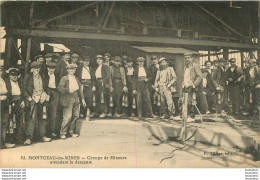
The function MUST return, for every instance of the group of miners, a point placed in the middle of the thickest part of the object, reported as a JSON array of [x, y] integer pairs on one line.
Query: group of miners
[[51, 99]]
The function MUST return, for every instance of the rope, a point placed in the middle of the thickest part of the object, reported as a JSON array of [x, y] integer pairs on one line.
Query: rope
[[183, 142]]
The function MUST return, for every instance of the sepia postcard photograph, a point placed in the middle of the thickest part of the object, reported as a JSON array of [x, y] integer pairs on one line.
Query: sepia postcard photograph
[[130, 84]]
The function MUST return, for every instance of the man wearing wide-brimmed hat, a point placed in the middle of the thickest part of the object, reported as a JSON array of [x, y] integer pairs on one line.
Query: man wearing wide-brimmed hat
[[142, 76], [35, 90]]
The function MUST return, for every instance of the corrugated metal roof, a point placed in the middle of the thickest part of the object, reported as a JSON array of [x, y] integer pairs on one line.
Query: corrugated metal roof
[[165, 50]]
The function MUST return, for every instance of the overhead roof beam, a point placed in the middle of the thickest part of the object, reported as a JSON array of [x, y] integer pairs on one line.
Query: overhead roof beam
[[131, 38], [68, 13], [220, 20]]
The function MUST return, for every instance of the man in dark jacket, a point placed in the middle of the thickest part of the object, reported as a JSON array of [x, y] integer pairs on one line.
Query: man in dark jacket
[[118, 79], [53, 126], [61, 70], [206, 93], [142, 78], [86, 75], [35, 90], [219, 80], [153, 69], [103, 85], [72, 95], [235, 75]]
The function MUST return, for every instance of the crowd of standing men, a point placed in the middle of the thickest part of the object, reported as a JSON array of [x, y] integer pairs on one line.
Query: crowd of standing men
[[49, 101]]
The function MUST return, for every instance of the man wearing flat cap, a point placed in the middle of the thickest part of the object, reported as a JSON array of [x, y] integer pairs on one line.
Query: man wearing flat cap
[[75, 58], [48, 57], [220, 81], [206, 97], [53, 124], [141, 77], [191, 80], [164, 82], [119, 85], [153, 69], [15, 98], [35, 90], [56, 57], [71, 97], [129, 70], [107, 59], [235, 76], [103, 85], [86, 75], [250, 82], [61, 69]]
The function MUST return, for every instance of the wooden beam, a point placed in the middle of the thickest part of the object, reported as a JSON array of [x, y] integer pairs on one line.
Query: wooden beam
[[18, 51], [220, 20], [28, 54], [109, 14], [215, 27], [8, 51], [131, 38], [103, 15], [68, 13], [31, 14]]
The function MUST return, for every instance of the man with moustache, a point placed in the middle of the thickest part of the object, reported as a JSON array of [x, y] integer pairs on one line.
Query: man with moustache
[[191, 80], [164, 82]]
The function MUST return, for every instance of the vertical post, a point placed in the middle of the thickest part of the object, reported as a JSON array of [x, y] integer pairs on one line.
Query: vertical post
[[208, 55], [28, 54], [225, 54], [242, 59], [183, 133], [258, 28], [251, 54], [8, 51]]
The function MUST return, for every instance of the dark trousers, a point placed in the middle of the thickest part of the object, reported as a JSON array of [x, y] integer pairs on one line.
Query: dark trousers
[[4, 121], [35, 122], [130, 109], [202, 102], [54, 122], [117, 95], [19, 132], [154, 104], [88, 96], [101, 107], [143, 98], [235, 96]]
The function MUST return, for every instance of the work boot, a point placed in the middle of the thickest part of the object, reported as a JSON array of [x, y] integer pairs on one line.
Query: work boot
[[8, 145], [171, 117], [109, 115], [163, 116], [208, 112], [63, 136], [117, 115], [87, 118], [132, 114], [46, 139], [75, 135], [102, 115], [27, 142], [54, 135]]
